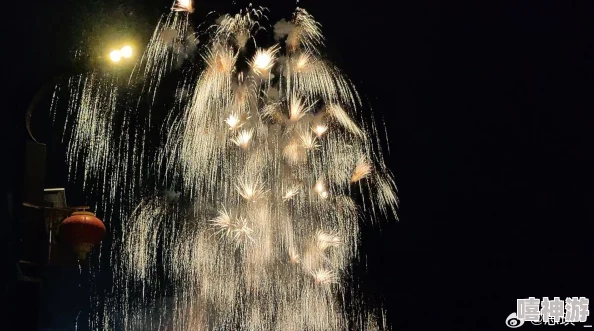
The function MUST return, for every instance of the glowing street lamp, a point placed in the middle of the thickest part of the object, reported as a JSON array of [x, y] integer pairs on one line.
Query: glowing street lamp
[[125, 52], [115, 56]]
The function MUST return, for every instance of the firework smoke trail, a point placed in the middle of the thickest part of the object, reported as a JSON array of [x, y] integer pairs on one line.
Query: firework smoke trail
[[163, 48], [109, 146], [168, 41], [94, 149], [105, 145], [275, 171]]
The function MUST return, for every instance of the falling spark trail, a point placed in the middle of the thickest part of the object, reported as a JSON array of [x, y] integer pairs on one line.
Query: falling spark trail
[[162, 49], [275, 171]]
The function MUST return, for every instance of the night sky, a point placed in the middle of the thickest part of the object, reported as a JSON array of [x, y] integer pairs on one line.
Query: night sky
[[489, 111]]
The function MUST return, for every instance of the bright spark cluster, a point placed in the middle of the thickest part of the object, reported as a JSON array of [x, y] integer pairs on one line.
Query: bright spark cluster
[[276, 169]]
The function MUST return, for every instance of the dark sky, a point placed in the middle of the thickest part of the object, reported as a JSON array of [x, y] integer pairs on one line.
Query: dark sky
[[490, 119]]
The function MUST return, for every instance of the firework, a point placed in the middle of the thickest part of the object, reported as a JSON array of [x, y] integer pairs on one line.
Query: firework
[[266, 153], [362, 170], [264, 60], [319, 129], [183, 6], [324, 276], [243, 138]]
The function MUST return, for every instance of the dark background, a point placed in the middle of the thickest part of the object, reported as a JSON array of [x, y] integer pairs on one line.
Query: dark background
[[489, 108]]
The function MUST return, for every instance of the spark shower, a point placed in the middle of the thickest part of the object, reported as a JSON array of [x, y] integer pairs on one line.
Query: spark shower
[[274, 169]]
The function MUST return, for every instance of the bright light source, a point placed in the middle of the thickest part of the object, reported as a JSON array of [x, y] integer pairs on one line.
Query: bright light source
[[115, 56], [183, 5], [126, 51]]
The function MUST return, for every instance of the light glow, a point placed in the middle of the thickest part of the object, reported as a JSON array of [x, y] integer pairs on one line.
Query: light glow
[[115, 56]]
